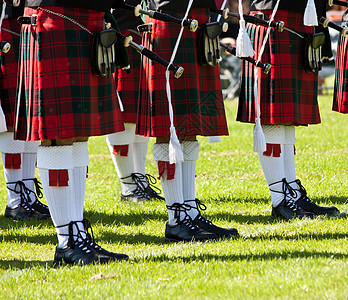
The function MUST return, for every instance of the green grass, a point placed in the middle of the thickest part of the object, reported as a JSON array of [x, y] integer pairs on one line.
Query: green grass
[[301, 259]]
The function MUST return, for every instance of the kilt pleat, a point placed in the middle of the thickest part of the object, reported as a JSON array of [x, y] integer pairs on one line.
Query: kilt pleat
[[288, 94], [10, 31], [340, 100], [63, 99], [128, 84], [196, 96]]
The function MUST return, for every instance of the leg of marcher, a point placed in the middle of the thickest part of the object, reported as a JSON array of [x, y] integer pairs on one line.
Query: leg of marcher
[[272, 163], [179, 226], [302, 199], [121, 150], [191, 150]]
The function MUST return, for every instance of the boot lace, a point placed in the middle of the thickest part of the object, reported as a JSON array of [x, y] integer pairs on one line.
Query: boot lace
[[137, 181], [199, 206], [20, 189], [289, 193], [90, 236], [37, 191], [182, 208]]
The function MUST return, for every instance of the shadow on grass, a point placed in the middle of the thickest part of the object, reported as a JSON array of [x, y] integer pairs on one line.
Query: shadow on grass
[[247, 257], [230, 199], [20, 264], [268, 256], [331, 200], [133, 218]]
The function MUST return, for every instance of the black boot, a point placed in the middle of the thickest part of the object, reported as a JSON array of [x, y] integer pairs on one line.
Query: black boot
[[185, 230], [95, 247], [139, 194], [205, 224], [310, 206], [37, 205], [78, 251], [24, 211], [288, 208]]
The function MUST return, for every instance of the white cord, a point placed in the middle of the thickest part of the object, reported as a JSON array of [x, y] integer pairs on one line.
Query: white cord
[[259, 138], [175, 151]]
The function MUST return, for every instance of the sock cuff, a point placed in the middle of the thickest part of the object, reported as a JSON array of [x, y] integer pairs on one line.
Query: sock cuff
[[125, 137], [9, 145], [289, 135], [55, 157], [161, 152], [80, 154], [190, 150], [31, 147], [139, 139], [274, 134]]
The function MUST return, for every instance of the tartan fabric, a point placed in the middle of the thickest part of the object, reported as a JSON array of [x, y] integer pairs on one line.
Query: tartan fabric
[[340, 100], [128, 84], [196, 96], [63, 98], [288, 94], [8, 71]]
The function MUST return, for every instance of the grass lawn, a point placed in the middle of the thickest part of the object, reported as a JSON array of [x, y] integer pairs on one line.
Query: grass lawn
[[301, 259]]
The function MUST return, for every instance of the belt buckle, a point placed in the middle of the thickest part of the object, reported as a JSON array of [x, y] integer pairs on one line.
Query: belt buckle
[[260, 15], [145, 28], [28, 20], [33, 20]]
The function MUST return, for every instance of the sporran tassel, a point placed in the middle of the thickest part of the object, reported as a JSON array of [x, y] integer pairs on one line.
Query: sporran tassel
[[310, 16], [243, 47]]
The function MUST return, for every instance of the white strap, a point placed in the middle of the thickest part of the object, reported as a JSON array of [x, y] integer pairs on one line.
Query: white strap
[[2, 14], [221, 8], [175, 152], [120, 101], [259, 137]]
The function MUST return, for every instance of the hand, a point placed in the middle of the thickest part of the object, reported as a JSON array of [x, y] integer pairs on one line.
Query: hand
[[229, 41]]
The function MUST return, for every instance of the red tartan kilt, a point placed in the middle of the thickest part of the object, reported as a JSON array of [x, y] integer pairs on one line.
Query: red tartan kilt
[[288, 94], [8, 75], [196, 96], [64, 99], [340, 101], [128, 84]]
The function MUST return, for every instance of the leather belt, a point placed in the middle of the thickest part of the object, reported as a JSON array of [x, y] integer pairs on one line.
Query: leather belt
[[27, 20]]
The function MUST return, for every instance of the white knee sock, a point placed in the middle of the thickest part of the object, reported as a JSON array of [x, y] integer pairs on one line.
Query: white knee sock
[[171, 183], [12, 176], [139, 155], [190, 150], [289, 156], [80, 161], [11, 152], [55, 164], [121, 150], [29, 164], [272, 161]]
